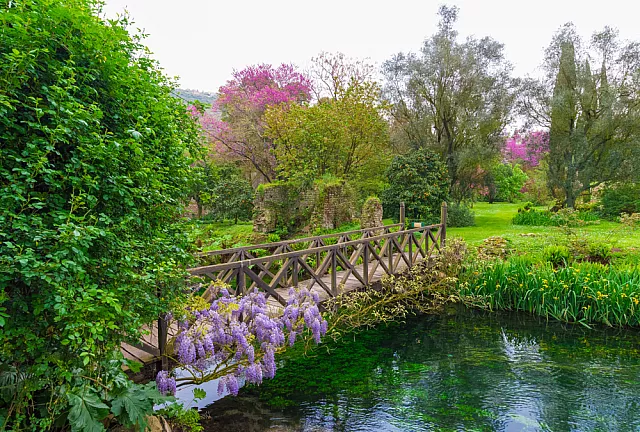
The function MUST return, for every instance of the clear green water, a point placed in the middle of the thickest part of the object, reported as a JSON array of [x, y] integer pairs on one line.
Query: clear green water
[[465, 371]]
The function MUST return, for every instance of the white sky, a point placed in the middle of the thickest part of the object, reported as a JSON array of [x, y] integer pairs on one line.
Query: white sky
[[202, 41]]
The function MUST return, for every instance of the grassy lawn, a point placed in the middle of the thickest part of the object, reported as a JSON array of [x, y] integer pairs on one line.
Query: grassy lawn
[[491, 220], [495, 220], [223, 235]]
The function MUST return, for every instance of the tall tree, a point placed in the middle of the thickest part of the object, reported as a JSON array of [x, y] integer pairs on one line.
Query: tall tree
[[454, 97], [333, 73], [593, 118], [236, 123], [346, 137]]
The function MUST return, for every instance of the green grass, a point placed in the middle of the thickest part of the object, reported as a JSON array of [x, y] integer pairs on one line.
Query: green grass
[[491, 220], [223, 235], [495, 220], [227, 234]]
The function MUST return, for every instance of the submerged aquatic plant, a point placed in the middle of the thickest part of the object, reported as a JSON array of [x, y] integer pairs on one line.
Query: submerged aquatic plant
[[237, 338]]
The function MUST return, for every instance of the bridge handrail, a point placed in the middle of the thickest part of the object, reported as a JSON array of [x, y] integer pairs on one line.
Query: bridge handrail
[[270, 258], [292, 241]]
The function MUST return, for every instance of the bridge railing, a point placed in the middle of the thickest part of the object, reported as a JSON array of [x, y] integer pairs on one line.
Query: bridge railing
[[321, 265], [274, 248]]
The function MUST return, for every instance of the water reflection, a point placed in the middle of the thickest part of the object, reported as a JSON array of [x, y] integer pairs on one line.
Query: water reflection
[[465, 371]]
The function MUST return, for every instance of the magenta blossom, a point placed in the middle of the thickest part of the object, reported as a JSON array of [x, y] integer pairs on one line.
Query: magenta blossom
[[527, 148]]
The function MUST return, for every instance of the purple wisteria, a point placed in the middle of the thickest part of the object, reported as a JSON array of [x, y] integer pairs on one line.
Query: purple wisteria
[[165, 383], [237, 338]]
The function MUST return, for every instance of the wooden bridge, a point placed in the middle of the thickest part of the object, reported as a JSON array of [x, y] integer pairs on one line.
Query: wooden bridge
[[329, 265]]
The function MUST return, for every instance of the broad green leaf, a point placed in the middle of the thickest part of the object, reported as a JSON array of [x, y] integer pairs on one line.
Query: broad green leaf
[[86, 411], [199, 394]]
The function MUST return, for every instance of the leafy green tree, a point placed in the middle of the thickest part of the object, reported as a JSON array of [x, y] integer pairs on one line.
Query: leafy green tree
[[509, 180], [419, 179], [229, 195], [93, 177], [593, 117], [454, 97], [345, 136]]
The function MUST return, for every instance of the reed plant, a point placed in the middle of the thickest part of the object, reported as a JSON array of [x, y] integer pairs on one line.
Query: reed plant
[[583, 293]]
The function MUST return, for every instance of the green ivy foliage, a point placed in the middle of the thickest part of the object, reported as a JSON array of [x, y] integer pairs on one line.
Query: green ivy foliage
[[420, 180], [94, 171], [225, 192]]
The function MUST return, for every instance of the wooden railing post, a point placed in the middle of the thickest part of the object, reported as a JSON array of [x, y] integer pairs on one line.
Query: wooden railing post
[[365, 264], [443, 222], [241, 281], [411, 250], [402, 215], [334, 269], [163, 361], [294, 274]]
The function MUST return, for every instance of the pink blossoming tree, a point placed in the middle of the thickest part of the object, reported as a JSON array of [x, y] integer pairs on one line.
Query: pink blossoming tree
[[235, 125], [526, 148]]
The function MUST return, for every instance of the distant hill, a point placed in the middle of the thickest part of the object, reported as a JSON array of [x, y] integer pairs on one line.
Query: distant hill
[[192, 95]]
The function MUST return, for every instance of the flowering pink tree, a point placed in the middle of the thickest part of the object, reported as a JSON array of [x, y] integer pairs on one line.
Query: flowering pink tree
[[236, 338], [236, 124], [527, 148]]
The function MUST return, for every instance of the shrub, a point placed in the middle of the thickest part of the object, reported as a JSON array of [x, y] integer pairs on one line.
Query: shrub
[[494, 248], [535, 188], [225, 193], [420, 180], [93, 178], [557, 255], [585, 250], [509, 180], [459, 215], [618, 199], [532, 217], [273, 238], [527, 215]]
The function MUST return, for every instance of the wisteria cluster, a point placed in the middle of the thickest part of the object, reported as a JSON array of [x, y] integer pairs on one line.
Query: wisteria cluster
[[302, 311], [237, 338], [165, 383]]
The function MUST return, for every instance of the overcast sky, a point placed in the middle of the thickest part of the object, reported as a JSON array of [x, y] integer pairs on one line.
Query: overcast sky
[[202, 41]]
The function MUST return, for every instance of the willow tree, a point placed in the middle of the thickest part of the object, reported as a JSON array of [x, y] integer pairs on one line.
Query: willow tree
[[589, 100], [453, 97]]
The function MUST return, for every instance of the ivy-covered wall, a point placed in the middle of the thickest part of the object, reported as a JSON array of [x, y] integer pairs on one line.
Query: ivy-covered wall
[[293, 207]]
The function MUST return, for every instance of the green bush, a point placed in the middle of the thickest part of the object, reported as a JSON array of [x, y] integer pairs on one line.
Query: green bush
[[181, 418], [273, 238], [585, 250], [93, 181], [459, 215], [420, 180], [532, 217], [527, 215], [557, 255], [509, 180], [618, 199], [224, 192]]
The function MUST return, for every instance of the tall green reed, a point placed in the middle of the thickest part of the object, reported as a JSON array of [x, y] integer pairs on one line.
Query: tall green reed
[[584, 293]]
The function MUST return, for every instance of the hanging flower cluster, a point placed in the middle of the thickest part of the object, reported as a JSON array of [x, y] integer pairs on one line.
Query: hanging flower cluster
[[238, 337]]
